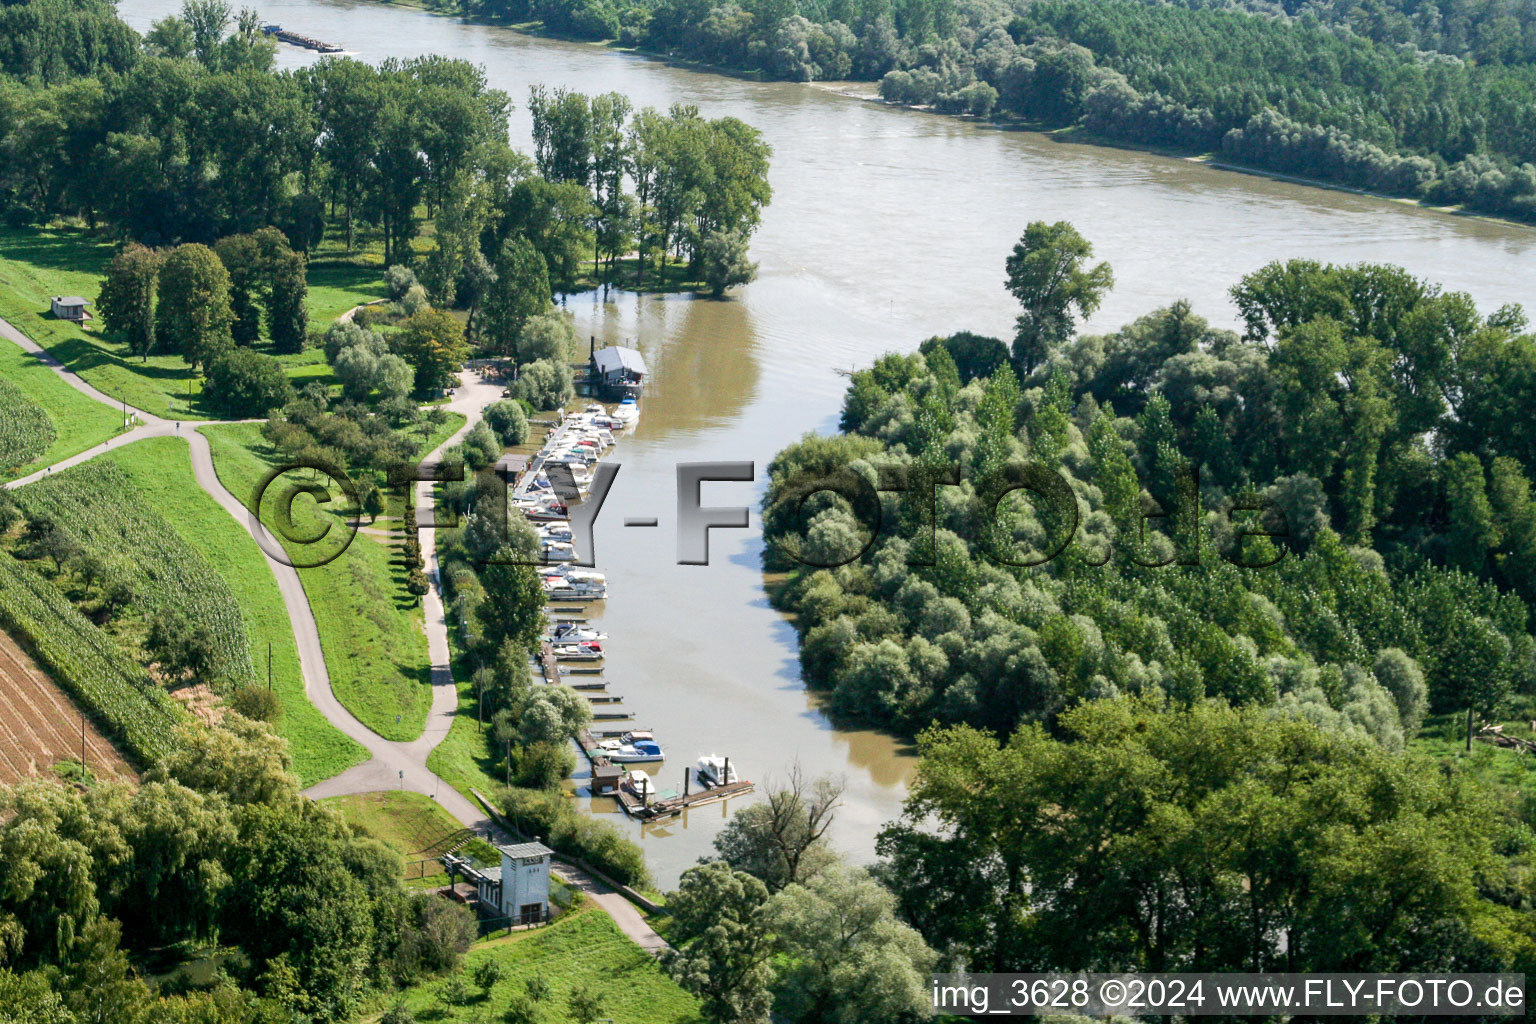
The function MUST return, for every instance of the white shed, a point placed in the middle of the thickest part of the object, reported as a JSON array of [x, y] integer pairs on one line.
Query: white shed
[[69, 307]]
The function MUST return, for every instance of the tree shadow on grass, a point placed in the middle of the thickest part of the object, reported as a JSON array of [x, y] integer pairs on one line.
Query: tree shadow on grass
[[55, 250]]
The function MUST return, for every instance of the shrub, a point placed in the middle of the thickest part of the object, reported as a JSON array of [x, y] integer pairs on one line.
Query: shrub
[[399, 279], [242, 383], [543, 765], [508, 421], [256, 703]]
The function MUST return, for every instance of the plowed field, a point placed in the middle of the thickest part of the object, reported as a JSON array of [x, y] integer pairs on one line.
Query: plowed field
[[40, 725]]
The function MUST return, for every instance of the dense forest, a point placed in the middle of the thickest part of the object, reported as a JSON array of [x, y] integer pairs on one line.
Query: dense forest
[[1430, 101], [1363, 420], [1178, 581]]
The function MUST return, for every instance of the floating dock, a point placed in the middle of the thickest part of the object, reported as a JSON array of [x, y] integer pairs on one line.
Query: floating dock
[[672, 806]]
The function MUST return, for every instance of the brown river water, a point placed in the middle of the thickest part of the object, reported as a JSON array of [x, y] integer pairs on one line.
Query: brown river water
[[887, 226]]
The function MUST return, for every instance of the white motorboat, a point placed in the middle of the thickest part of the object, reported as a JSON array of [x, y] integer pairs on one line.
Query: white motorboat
[[574, 632], [585, 650], [714, 770], [559, 551], [556, 530], [627, 413], [573, 588], [634, 748]]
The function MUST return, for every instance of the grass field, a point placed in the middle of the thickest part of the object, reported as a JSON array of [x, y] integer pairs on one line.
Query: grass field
[[464, 758], [336, 285], [162, 471], [38, 263], [370, 627], [1507, 771], [582, 947]]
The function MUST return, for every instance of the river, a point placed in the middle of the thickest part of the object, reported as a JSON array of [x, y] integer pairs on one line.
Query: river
[[887, 226]]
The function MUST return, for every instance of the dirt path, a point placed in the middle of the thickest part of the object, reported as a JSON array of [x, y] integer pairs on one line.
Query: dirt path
[[391, 765]]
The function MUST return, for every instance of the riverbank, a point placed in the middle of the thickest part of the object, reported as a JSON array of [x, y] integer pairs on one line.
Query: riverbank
[[865, 91]]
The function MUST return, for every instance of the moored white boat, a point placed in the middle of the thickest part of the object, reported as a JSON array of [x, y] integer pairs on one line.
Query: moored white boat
[[634, 748], [627, 413], [714, 770], [574, 632]]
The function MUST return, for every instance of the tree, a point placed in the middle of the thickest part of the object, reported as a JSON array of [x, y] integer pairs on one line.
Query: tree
[[487, 973], [781, 840], [520, 291], [556, 218], [1473, 533], [507, 419], [287, 303], [181, 646], [193, 315], [127, 300], [242, 259], [553, 714], [583, 1004], [243, 760], [725, 261], [853, 961], [243, 383], [358, 370], [550, 335], [432, 341], [1047, 273], [513, 610], [544, 384], [395, 378], [723, 950]]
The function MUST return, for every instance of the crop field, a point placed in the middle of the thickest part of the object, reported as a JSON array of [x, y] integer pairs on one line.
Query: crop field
[[82, 659], [26, 429], [161, 469], [40, 726], [97, 504]]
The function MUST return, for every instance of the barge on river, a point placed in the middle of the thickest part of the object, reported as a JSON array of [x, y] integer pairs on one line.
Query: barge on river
[[294, 39]]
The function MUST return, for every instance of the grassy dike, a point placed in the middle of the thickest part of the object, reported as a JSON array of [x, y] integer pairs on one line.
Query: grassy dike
[[38, 263], [161, 469], [79, 422], [370, 627]]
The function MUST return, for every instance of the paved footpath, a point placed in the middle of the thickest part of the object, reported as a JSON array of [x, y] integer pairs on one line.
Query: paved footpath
[[391, 765]]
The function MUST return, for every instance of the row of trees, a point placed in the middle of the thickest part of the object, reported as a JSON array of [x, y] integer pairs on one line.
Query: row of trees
[[1290, 96], [1148, 839]]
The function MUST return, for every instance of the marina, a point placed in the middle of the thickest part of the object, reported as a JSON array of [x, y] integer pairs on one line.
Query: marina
[[573, 647]]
